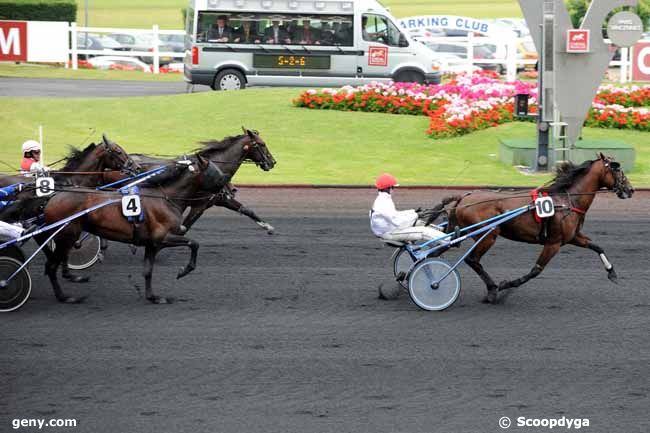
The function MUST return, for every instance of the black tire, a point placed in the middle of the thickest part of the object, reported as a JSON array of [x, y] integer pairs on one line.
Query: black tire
[[410, 77], [14, 293], [14, 252], [229, 79]]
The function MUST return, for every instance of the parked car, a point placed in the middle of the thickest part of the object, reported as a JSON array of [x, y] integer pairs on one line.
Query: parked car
[[176, 42], [481, 52], [143, 42], [95, 42], [120, 63]]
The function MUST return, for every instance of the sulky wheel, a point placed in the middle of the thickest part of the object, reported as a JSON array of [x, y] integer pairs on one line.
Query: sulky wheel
[[85, 252], [15, 291], [14, 252], [402, 264], [426, 293]]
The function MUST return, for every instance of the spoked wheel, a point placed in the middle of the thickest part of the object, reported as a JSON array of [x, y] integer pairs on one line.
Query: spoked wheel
[[14, 292], [427, 292], [402, 264], [85, 252]]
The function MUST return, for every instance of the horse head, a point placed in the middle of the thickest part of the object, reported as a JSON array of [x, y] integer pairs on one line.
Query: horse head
[[117, 158], [613, 178], [257, 151]]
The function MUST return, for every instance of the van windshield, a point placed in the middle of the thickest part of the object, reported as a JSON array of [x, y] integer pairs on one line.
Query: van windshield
[[280, 29]]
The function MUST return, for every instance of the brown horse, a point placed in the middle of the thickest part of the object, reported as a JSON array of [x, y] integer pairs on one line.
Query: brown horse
[[161, 228], [573, 191], [228, 154], [83, 168]]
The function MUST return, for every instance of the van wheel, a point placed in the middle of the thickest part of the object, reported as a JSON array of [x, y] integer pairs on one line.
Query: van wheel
[[410, 77], [229, 79]]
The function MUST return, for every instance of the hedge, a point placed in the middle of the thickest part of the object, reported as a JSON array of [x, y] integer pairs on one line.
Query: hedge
[[38, 10]]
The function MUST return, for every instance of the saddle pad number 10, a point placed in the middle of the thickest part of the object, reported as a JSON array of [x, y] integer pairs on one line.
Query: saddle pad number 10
[[131, 206], [44, 186], [544, 207]]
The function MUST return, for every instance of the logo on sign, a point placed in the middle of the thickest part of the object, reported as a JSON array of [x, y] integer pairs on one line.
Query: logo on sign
[[577, 41], [378, 56], [13, 41]]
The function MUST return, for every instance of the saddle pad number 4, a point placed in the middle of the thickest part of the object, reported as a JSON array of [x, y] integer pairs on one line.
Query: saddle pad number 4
[[131, 206], [44, 186], [544, 207]]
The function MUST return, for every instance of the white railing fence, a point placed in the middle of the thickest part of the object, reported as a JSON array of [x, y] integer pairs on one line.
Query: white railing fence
[[155, 52], [506, 55]]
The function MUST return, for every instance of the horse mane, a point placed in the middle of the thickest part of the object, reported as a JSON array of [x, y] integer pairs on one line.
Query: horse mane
[[566, 175], [76, 156], [215, 145]]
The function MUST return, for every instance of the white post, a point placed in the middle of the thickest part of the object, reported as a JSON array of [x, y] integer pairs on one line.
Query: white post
[[73, 45], [40, 140], [625, 58], [511, 59], [156, 50], [470, 52]]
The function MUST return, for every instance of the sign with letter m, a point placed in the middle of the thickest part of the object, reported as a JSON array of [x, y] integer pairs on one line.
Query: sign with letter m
[[13, 41]]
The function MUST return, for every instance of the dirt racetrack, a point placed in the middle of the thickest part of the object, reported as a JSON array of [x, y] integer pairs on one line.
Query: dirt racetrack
[[285, 333]]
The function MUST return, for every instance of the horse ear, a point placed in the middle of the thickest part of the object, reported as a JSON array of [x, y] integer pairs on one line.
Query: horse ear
[[105, 139], [203, 163], [243, 128], [601, 156]]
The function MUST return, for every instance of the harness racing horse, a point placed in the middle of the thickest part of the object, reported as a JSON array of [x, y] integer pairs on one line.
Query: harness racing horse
[[161, 226], [92, 164], [228, 154], [573, 191]]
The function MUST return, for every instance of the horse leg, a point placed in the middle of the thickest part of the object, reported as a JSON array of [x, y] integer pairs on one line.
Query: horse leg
[[194, 214], [549, 251], [583, 241], [474, 262], [172, 240], [65, 273], [54, 259], [234, 205], [149, 259]]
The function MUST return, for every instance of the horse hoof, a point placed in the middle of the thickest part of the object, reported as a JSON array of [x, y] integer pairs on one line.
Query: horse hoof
[[76, 278], [184, 271], [491, 298], [612, 276], [160, 300], [73, 300]]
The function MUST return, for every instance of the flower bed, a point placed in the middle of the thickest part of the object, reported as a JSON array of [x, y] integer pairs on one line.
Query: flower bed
[[472, 102]]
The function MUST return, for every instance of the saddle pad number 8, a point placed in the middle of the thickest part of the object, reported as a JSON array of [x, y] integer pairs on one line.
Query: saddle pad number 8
[[131, 206], [44, 186], [544, 207]]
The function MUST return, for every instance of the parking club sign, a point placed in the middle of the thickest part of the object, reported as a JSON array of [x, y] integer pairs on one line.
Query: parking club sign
[[577, 41]]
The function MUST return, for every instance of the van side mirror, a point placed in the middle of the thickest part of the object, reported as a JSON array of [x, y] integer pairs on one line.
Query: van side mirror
[[402, 41]]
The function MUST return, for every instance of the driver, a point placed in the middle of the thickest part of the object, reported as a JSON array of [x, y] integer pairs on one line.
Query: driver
[[31, 162], [9, 230], [390, 224]]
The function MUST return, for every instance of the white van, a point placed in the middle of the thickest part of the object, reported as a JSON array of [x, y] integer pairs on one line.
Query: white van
[[234, 43]]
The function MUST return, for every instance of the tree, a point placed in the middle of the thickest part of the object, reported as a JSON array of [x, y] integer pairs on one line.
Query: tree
[[578, 9]]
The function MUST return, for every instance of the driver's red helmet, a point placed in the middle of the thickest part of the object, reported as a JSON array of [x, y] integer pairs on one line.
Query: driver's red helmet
[[386, 181]]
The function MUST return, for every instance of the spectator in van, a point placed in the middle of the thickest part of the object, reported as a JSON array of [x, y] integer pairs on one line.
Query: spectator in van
[[276, 34], [307, 35], [246, 34], [343, 34], [220, 31]]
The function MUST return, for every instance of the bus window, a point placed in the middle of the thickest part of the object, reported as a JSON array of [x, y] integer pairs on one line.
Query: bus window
[[378, 28], [275, 29]]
